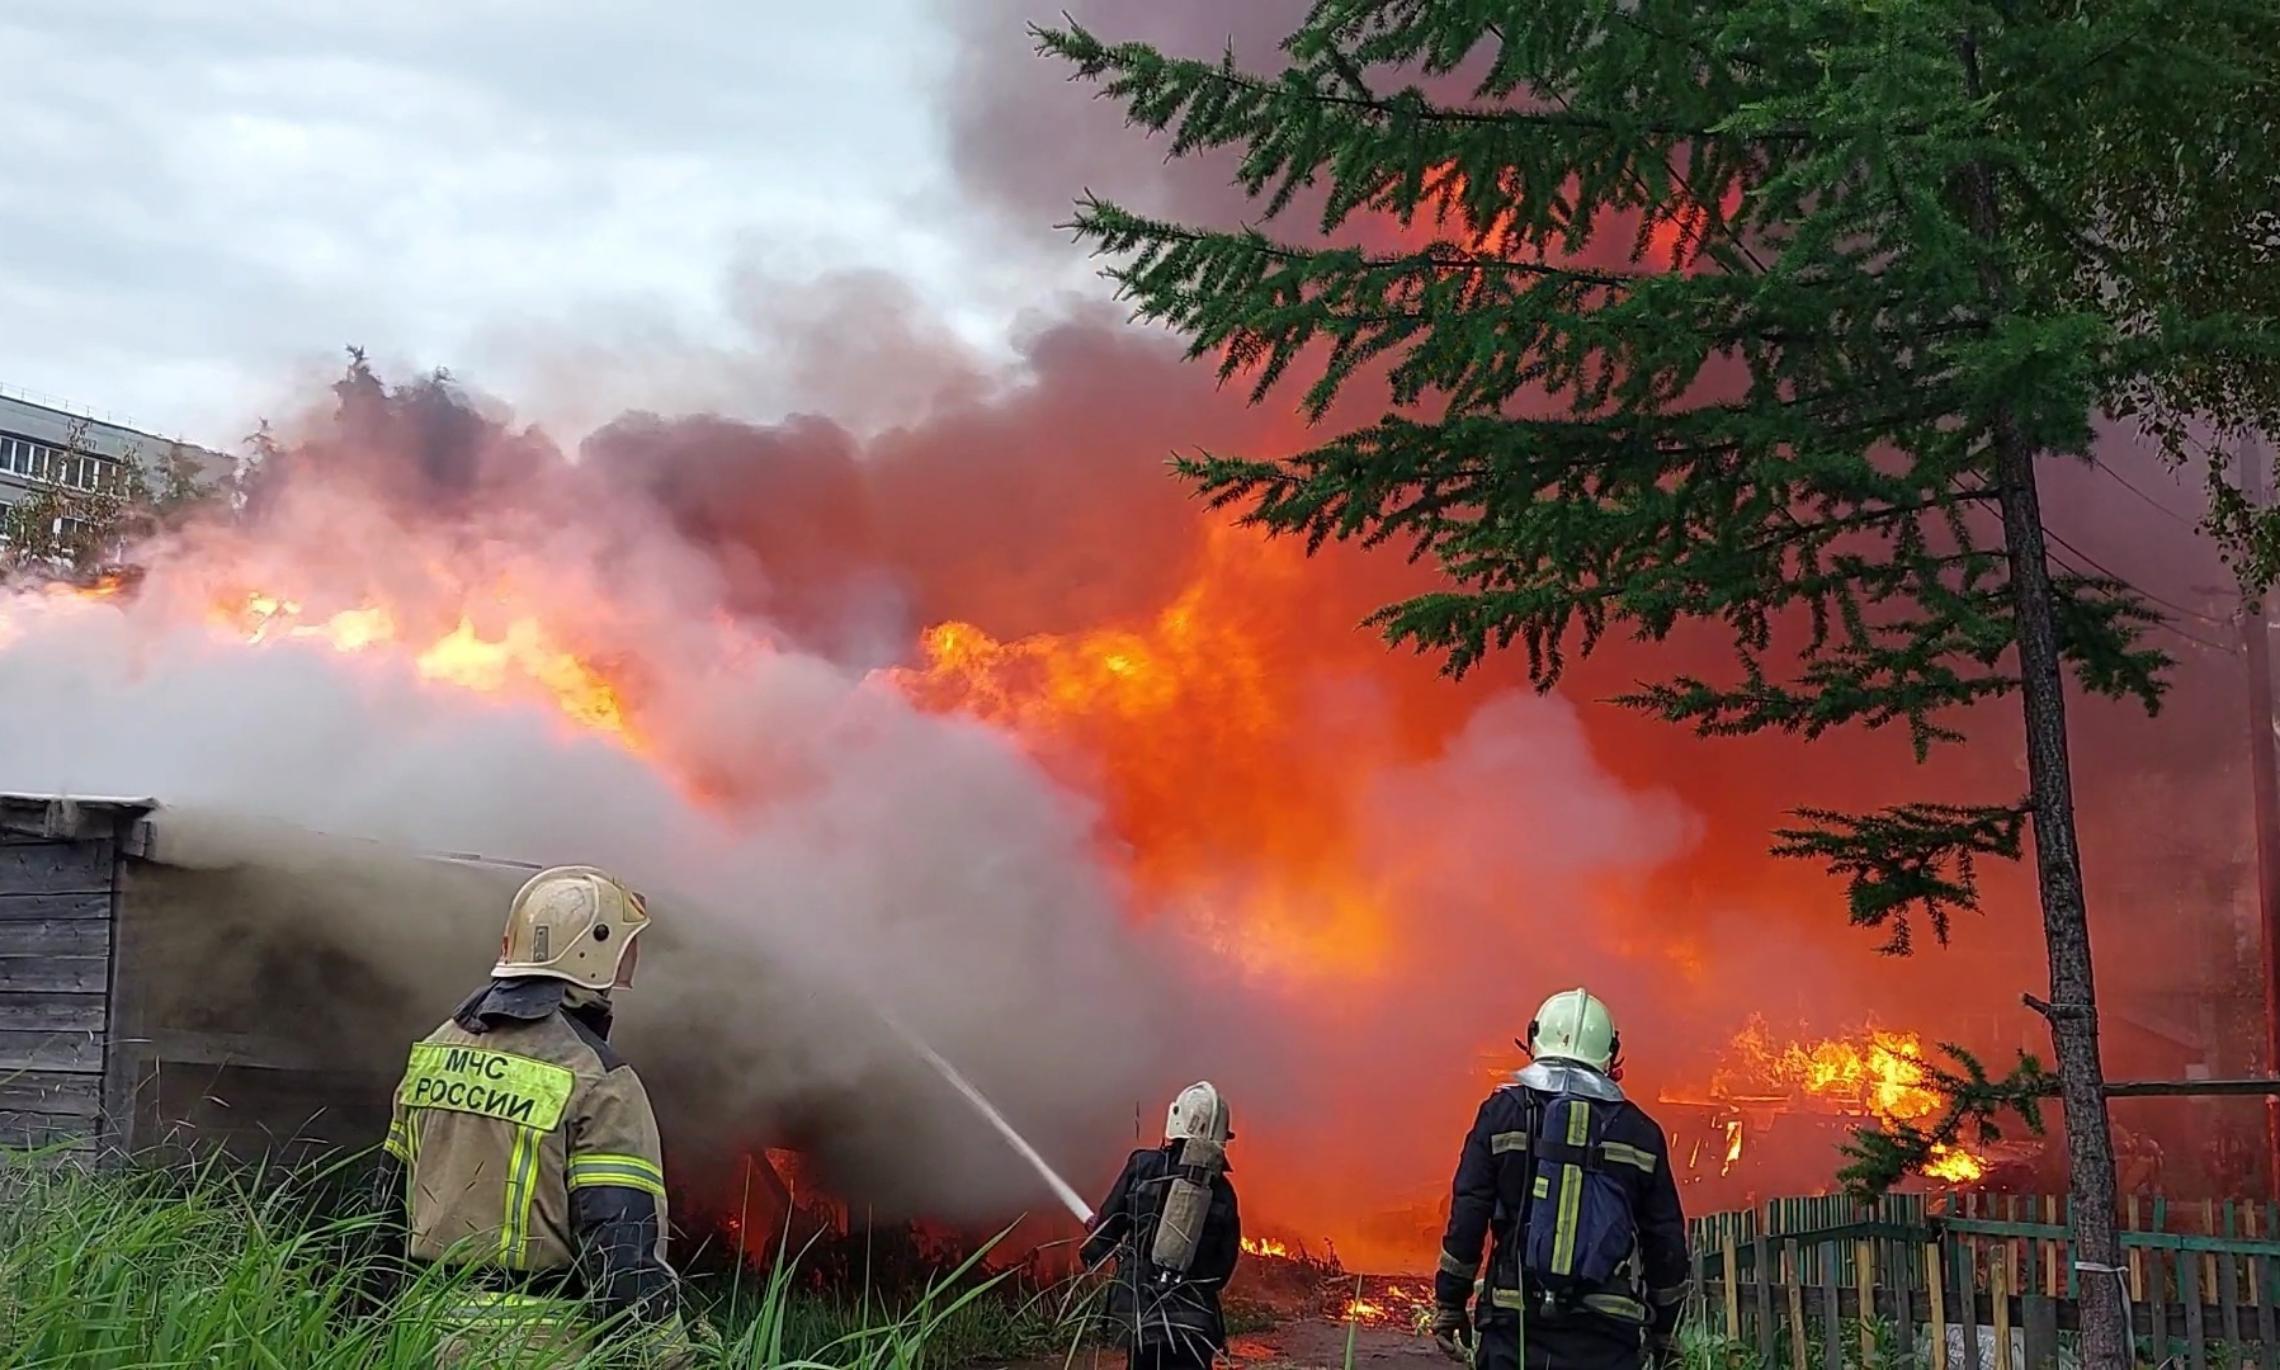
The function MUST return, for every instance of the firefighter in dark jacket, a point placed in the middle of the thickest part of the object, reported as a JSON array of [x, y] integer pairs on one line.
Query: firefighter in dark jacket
[[1588, 1266], [1170, 1221], [523, 1148]]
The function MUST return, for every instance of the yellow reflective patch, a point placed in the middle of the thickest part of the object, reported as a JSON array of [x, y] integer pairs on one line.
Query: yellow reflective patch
[[1543, 1187], [522, 1190], [1505, 1142], [1571, 1191], [596, 1169], [1451, 1265], [478, 1307], [1507, 1298], [489, 1084], [617, 1160], [1616, 1306], [1628, 1155]]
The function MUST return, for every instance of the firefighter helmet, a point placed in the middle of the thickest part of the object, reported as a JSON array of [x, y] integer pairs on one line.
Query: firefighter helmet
[[1199, 1112], [572, 923], [1574, 1025]]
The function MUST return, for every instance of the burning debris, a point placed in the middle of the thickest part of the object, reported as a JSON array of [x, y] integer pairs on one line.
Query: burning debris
[[1406, 1304], [1294, 1282], [1874, 1075]]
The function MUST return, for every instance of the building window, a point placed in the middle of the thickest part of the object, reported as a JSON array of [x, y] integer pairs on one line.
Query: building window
[[39, 461]]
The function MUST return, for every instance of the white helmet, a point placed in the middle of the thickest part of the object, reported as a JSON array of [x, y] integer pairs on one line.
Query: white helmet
[[1199, 1112], [1573, 1025], [572, 923]]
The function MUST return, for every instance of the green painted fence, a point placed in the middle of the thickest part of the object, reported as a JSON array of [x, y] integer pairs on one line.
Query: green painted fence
[[1791, 1281]]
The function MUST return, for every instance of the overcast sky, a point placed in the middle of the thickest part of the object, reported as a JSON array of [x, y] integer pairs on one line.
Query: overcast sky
[[576, 204]]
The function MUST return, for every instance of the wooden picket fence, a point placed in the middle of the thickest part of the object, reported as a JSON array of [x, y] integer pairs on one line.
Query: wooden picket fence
[[1981, 1282]]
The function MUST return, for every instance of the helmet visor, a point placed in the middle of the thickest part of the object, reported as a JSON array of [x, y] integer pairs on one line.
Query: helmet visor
[[625, 965]]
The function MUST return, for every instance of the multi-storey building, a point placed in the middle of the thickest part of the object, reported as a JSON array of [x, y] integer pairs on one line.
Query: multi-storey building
[[48, 446]]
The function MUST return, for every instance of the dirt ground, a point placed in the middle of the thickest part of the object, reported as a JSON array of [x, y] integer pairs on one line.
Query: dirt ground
[[1309, 1344]]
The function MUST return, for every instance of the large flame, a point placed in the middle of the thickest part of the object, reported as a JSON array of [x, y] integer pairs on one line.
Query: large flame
[[1877, 1073], [520, 656], [1188, 730]]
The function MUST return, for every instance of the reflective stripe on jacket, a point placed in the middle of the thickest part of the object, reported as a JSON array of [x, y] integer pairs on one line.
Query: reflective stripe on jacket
[[1496, 1178], [528, 1146]]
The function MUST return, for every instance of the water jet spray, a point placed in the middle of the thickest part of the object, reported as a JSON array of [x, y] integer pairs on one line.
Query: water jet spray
[[1053, 1181]]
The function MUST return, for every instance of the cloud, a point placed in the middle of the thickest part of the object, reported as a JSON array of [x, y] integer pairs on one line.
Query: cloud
[[257, 183]]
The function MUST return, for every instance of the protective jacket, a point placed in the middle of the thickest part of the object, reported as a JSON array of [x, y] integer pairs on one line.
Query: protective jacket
[[1148, 1306], [1490, 1195], [522, 1145]]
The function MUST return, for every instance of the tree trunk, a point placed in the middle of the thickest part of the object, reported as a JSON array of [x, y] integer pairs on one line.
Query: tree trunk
[[2073, 1010], [2073, 1007]]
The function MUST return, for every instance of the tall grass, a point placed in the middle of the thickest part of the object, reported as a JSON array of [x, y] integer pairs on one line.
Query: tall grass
[[138, 1269]]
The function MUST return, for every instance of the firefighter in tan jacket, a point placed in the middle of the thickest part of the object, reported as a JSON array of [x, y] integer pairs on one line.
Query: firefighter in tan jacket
[[522, 1146]]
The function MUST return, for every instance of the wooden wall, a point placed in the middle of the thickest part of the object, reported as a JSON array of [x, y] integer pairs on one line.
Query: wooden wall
[[252, 994], [58, 894], [264, 1002]]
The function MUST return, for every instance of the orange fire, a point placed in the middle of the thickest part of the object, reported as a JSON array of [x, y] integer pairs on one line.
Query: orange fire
[[1265, 1246], [1389, 1304], [1954, 1165], [522, 657], [1182, 724], [1876, 1073], [1733, 1145]]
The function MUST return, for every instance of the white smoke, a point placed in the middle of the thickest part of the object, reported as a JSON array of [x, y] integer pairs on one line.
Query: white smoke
[[887, 854]]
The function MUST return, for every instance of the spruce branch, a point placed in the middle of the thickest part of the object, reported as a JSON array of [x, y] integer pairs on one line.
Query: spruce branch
[[1907, 859], [1973, 1103]]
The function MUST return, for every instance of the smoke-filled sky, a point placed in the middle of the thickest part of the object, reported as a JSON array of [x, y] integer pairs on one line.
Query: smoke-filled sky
[[775, 342]]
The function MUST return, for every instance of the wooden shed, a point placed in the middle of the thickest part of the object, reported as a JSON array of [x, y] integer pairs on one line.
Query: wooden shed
[[162, 996]]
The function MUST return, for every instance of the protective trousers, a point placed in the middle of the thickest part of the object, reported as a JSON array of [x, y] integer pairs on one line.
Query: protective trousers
[[1185, 1355], [1579, 1346]]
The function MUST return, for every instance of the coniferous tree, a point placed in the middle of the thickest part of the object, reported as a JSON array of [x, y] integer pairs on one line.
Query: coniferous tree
[[1760, 313]]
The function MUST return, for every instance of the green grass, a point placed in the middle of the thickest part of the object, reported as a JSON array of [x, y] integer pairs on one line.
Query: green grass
[[209, 1269]]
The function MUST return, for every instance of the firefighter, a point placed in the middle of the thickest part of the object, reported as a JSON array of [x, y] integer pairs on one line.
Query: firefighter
[[1588, 1266], [1171, 1223], [523, 1147]]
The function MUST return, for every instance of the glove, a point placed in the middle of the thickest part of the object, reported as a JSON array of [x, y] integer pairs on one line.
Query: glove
[[1453, 1333]]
